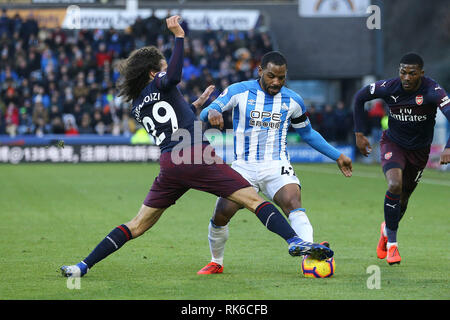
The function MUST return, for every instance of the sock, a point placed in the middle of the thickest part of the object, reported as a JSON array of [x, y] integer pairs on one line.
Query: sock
[[217, 237], [301, 225], [391, 215], [83, 267], [274, 221], [389, 244], [112, 242]]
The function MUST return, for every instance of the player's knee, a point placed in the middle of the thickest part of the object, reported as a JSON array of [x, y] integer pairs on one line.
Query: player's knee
[[224, 211], [247, 197], [290, 204], [395, 186], [221, 217]]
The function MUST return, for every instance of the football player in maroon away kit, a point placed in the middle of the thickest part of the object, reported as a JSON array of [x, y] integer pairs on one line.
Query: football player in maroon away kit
[[151, 84], [413, 100]]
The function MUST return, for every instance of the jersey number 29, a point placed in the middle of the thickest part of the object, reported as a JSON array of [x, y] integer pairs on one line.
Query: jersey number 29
[[169, 115]]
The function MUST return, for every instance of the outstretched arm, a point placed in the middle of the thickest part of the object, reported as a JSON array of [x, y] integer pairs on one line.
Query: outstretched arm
[[172, 76]]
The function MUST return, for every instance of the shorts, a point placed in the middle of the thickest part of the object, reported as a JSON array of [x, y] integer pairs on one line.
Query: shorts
[[412, 162], [209, 176], [267, 177]]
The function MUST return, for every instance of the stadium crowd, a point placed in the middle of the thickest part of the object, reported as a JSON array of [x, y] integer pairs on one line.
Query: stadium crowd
[[63, 81]]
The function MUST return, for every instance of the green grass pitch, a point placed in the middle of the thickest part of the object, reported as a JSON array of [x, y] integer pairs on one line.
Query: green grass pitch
[[56, 214]]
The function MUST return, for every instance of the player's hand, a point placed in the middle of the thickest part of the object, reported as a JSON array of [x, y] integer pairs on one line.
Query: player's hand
[[173, 24], [345, 164], [363, 144], [203, 97], [215, 118], [445, 156]]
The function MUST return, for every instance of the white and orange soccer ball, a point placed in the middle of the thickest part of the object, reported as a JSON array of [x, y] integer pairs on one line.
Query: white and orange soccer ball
[[312, 268]]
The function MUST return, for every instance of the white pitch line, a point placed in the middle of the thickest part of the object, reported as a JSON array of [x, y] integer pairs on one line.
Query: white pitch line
[[370, 175]]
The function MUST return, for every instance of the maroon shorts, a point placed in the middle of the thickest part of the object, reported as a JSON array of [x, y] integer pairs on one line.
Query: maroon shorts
[[208, 174], [412, 162]]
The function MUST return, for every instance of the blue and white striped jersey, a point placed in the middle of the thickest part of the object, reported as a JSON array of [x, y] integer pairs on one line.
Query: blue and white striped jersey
[[261, 121]]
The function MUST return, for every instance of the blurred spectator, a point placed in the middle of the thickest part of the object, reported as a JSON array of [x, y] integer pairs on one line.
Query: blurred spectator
[[153, 27], [98, 123], [11, 119], [2, 121], [328, 124], [71, 127], [102, 55], [57, 125], [26, 125], [343, 120], [138, 27], [40, 119], [315, 117], [85, 125], [375, 114], [4, 23]]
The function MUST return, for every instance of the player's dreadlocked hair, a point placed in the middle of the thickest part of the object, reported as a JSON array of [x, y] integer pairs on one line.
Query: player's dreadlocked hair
[[412, 58], [134, 71], [274, 57]]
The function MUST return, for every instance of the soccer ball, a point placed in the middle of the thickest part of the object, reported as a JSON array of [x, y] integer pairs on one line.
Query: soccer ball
[[312, 268]]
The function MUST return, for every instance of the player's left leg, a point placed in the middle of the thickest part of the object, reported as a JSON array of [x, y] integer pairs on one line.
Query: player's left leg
[[393, 161], [411, 178], [165, 191], [143, 221], [279, 182], [288, 198], [392, 210], [218, 234], [273, 220]]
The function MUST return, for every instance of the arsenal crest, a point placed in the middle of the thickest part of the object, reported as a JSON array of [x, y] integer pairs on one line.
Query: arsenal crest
[[388, 155], [419, 99]]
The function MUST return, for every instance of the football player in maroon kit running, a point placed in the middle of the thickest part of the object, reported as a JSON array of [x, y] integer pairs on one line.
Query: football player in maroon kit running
[[413, 100]]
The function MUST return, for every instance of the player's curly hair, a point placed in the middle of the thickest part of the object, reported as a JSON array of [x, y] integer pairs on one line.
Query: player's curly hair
[[134, 71]]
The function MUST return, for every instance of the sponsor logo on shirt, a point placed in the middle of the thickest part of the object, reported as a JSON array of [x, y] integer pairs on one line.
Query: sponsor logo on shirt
[[258, 119]]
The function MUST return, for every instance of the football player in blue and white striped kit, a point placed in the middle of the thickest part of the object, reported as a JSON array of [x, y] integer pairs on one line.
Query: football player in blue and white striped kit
[[263, 109]]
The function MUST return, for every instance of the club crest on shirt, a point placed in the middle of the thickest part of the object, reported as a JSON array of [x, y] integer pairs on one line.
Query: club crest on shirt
[[388, 155], [419, 99]]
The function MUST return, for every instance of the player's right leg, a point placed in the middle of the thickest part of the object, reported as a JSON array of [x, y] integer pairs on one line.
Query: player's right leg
[[393, 161], [273, 220], [218, 234], [143, 221]]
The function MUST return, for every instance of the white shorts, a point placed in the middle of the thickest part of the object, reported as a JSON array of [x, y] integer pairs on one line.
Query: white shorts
[[267, 177]]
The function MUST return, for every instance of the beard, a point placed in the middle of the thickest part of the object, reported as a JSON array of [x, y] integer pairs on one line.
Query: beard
[[272, 90]]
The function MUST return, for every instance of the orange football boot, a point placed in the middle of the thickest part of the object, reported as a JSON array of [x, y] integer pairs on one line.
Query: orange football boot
[[381, 248], [211, 268], [393, 256]]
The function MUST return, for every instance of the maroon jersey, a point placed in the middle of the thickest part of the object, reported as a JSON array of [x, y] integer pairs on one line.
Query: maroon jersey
[[412, 115]]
